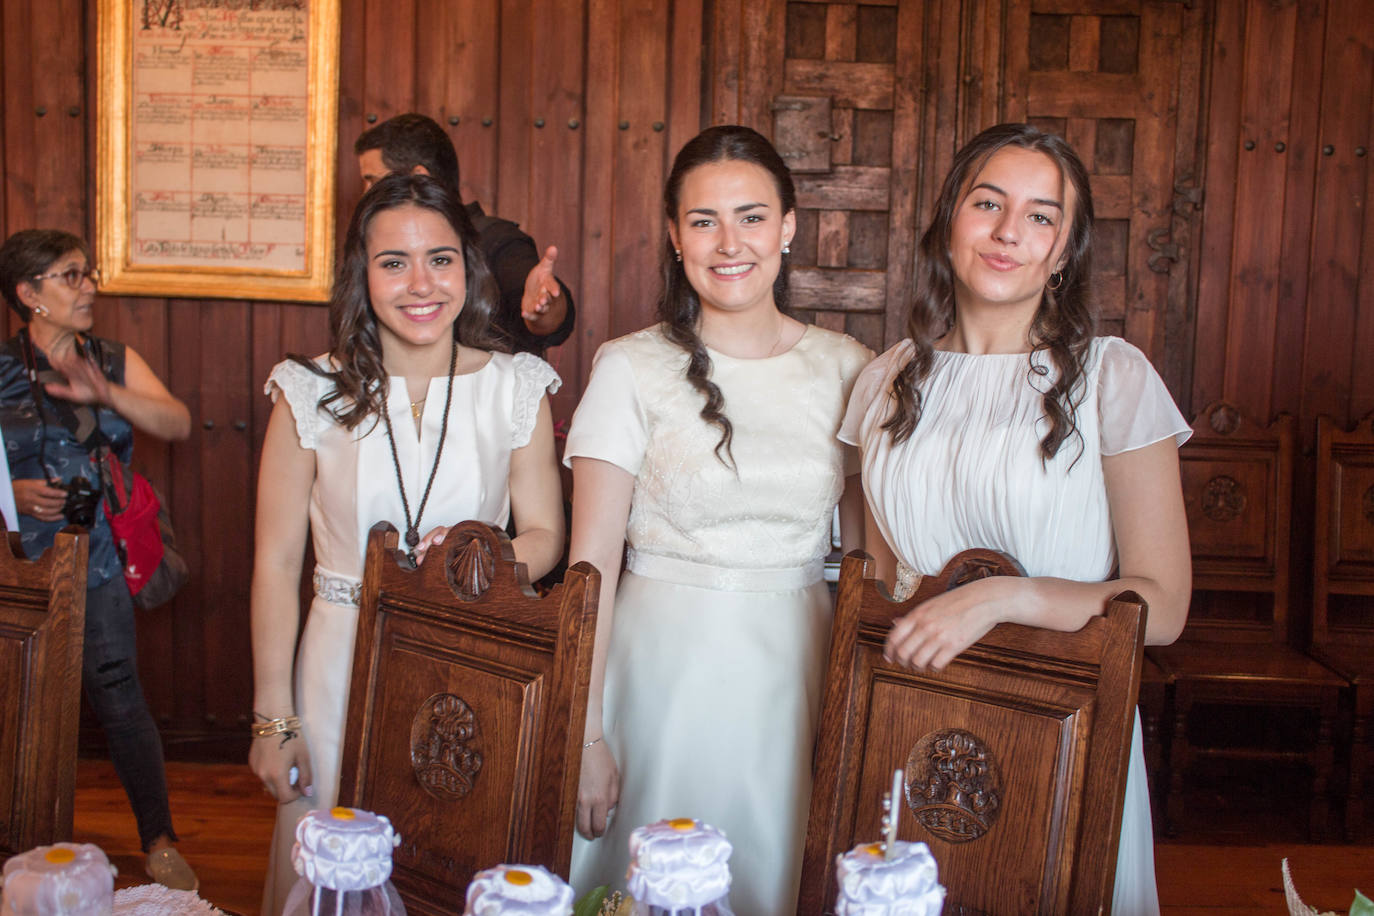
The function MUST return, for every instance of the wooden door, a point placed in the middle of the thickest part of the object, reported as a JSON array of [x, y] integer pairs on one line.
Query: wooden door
[[1120, 81], [909, 82]]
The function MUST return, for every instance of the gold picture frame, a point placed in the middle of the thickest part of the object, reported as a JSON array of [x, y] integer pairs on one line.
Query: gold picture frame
[[216, 148]]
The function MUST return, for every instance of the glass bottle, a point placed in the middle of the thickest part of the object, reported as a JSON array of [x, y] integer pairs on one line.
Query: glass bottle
[[343, 857], [679, 867], [873, 883], [518, 890], [65, 879]]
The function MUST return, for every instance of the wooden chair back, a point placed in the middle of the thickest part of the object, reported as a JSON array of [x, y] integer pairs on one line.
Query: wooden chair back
[[1238, 493], [1015, 754], [466, 709], [1343, 551], [42, 627]]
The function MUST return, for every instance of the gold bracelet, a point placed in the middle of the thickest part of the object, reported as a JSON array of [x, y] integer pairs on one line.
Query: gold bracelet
[[280, 726]]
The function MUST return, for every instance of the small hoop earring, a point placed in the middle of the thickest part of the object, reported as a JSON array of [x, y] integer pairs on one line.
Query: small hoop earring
[[677, 253], [1056, 281]]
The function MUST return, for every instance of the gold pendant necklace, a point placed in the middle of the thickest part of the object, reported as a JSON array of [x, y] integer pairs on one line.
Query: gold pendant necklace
[[417, 407]]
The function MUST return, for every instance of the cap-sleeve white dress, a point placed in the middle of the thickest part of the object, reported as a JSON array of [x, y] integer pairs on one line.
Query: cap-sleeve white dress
[[493, 412], [721, 620], [971, 476]]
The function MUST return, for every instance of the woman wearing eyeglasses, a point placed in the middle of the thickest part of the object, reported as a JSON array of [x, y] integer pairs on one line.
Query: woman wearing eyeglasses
[[64, 394]]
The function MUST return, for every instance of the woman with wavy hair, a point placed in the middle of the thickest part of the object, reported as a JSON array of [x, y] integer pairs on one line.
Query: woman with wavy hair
[[1003, 421], [412, 418], [707, 444]]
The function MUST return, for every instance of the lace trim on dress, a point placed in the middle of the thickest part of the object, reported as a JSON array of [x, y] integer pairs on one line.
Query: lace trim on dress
[[533, 377], [907, 581], [341, 590], [302, 390]]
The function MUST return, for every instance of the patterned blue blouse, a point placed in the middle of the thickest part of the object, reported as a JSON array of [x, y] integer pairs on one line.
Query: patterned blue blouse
[[66, 458]]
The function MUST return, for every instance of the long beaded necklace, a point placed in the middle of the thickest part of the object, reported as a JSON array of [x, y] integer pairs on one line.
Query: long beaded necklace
[[413, 528]]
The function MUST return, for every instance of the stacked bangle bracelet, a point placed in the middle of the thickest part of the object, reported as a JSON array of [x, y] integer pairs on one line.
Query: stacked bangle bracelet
[[286, 725]]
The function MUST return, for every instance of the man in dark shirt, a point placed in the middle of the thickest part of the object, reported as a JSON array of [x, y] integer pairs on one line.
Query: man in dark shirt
[[536, 310]]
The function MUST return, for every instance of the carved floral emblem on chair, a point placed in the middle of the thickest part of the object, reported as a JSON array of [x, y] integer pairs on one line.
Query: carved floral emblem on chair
[[953, 785], [441, 749]]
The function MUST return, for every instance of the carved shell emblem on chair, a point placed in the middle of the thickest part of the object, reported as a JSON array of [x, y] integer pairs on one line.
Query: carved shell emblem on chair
[[1223, 499], [470, 568], [441, 752], [953, 785], [971, 570], [1224, 420]]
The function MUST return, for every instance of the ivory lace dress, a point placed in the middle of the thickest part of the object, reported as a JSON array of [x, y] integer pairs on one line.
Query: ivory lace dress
[[722, 619], [493, 412], [971, 476]]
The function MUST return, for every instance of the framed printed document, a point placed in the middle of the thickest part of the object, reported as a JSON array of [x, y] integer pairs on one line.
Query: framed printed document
[[216, 150]]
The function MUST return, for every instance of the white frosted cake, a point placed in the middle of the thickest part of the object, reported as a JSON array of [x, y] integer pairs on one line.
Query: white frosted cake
[[66, 879], [344, 849], [518, 890], [678, 864], [873, 885]]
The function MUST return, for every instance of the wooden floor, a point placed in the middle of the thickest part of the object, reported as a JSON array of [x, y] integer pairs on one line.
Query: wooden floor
[[225, 822]]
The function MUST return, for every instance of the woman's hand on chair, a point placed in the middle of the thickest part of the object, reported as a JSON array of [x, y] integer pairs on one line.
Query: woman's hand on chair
[[273, 758], [434, 538], [597, 791], [931, 634]]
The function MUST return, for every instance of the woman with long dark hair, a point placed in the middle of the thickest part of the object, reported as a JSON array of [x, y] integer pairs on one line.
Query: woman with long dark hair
[[707, 444], [1003, 421], [411, 417], [66, 398]]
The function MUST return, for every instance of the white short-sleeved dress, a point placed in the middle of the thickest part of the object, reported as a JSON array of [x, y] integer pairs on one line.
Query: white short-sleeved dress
[[493, 412], [722, 619], [971, 476]]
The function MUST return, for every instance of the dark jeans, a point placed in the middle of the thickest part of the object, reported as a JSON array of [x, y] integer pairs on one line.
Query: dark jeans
[[110, 675]]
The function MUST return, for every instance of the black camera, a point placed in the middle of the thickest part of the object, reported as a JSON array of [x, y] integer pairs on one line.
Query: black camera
[[82, 498]]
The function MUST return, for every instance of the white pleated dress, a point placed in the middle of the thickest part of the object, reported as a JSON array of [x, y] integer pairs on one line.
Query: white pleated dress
[[971, 476], [493, 412], [722, 619]]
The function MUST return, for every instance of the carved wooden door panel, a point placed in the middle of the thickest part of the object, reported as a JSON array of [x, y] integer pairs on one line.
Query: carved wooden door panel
[[907, 82], [843, 110], [1120, 82]]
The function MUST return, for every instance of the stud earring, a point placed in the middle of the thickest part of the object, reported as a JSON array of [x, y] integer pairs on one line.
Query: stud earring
[[39, 310], [786, 247], [677, 253], [1056, 281]]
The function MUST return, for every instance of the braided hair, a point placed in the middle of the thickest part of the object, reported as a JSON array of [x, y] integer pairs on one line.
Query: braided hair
[[679, 306]]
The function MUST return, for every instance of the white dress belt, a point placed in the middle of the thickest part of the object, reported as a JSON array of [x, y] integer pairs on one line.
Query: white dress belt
[[702, 575]]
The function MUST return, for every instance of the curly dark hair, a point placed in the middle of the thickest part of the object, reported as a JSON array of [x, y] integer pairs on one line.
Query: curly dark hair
[[1063, 324], [679, 306], [355, 352]]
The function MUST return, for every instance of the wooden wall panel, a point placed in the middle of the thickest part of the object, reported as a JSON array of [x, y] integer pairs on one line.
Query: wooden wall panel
[[461, 43], [1284, 226], [1340, 220], [1260, 198]]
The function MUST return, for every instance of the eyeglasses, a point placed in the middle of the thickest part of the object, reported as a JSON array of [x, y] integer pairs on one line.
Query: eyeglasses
[[72, 276]]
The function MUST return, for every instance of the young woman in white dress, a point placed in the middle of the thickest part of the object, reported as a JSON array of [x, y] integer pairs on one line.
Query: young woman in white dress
[[1003, 422], [707, 443], [411, 417]]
